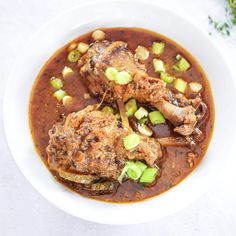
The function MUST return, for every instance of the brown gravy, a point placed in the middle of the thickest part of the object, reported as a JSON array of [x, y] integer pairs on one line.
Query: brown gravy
[[45, 110]]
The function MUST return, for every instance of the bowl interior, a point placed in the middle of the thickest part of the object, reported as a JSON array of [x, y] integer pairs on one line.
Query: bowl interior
[[80, 20]]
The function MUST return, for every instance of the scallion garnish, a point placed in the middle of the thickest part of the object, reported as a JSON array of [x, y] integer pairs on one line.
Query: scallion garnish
[[66, 70], [131, 107], [158, 47], [181, 64], [123, 77], [145, 130], [56, 83], [141, 53], [180, 85], [59, 94], [131, 141], [140, 113], [156, 117], [83, 47], [108, 110], [111, 73], [149, 175], [134, 171], [167, 77], [74, 56], [158, 65], [195, 86]]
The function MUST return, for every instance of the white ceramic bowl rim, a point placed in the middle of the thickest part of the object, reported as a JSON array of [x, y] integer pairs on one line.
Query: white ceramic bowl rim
[[80, 20]]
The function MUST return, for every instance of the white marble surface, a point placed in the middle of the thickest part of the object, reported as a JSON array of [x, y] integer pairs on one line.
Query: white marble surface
[[24, 212]]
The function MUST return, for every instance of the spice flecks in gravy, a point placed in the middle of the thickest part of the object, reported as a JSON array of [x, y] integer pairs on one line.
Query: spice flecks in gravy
[[45, 110]]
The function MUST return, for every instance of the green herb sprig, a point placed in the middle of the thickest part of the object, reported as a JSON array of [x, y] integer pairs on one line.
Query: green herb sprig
[[225, 27]]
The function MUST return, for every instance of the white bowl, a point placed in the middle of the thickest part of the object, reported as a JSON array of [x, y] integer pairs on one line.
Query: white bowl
[[80, 20]]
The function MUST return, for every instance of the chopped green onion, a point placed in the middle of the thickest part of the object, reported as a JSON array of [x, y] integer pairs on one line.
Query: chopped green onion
[[131, 141], [72, 46], [180, 85], [59, 94], [56, 83], [158, 65], [83, 47], [143, 121], [122, 174], [195, 87], [98, 35], [108, 110], [149, 175], [66, 70], [140, 113], [117, 115], [167, 77], [141, 53], [145, 130], [181, 64], [74, 56], [141, 165], [131, 107], [67, 100], [158, 48], [111, 73], [123, 77], [134, 171], [77, 178], [156, 117]]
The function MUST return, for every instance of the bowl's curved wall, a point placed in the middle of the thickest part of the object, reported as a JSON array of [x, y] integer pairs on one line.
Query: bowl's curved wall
[[85, 18]]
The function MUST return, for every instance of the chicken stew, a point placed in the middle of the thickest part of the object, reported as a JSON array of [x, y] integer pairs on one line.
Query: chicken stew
[[121, 114]]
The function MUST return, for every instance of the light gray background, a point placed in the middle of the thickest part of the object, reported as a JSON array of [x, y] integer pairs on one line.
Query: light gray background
[[24, 212]]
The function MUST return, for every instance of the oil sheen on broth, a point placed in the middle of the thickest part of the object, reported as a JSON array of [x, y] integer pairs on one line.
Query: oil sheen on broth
[[44, 111]]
